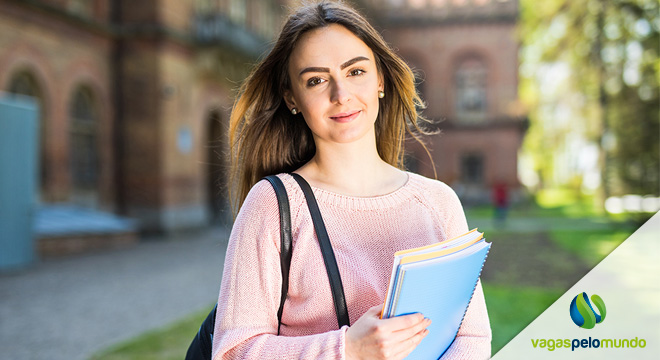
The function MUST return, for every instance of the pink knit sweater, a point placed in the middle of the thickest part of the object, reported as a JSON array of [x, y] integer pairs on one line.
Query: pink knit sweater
[[364, 232]]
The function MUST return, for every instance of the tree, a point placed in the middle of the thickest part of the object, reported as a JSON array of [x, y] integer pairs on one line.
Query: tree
[[610, 48]]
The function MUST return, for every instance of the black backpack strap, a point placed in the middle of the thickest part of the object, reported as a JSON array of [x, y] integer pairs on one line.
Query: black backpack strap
[[328, 255], [285, 238], [201, 346]]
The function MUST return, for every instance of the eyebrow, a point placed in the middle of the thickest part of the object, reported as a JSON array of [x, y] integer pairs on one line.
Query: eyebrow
[[342, 66]]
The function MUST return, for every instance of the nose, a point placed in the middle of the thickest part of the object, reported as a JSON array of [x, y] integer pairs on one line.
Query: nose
[[340, 93]]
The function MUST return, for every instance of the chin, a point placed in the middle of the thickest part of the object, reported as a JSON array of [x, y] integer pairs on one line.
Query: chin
[[354, 135]]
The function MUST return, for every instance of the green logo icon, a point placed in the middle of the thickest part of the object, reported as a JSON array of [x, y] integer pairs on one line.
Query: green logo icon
[[583, 314]]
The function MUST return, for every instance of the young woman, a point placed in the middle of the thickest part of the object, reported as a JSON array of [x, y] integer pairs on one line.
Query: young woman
[[332, 103]]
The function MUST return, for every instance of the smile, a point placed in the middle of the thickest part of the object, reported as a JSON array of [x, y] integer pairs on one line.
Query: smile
[[346, 117]]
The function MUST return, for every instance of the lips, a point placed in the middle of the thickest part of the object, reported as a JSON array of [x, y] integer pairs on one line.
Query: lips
[[346, 116]]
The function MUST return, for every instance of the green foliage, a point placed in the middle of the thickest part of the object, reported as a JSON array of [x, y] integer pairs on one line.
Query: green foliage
[[567, 202], [590, 69], [170, 342]]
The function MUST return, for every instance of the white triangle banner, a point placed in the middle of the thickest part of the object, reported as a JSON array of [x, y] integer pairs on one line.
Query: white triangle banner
[[613, 312]]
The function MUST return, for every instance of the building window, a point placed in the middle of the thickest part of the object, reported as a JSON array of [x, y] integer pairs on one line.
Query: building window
[[471, 85], [472, 168], [23, 83], [84, 148]]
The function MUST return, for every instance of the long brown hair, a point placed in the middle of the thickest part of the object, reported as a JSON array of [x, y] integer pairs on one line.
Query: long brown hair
[[265, 138]]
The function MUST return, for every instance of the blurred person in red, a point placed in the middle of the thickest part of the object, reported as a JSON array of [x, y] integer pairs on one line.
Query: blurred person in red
[[500, 201]]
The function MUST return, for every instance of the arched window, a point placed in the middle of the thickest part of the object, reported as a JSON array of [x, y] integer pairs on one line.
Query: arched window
[[84, 160], [470, 86], [23, 83]]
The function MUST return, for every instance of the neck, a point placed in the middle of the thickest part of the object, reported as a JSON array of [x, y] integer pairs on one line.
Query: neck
[[353, 169]]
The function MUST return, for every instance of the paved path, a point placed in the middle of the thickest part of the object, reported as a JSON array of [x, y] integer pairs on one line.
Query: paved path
[[70, 308]]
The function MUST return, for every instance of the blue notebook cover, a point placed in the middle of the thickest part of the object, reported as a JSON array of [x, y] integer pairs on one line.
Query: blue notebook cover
[[440, 289]]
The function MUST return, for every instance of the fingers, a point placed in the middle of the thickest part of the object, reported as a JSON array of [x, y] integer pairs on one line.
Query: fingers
[[410, 332], [375, 310], [400, 343], [394, 338], [405, 347], [403, 322]]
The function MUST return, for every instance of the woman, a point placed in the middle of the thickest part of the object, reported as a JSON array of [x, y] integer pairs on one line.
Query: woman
[[332, 103]]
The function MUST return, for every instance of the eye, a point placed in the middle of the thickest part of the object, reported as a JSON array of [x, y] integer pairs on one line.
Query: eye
[[357, 72], [314, 81]]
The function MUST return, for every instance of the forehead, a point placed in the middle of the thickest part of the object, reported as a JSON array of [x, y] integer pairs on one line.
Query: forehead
[[328, 46]]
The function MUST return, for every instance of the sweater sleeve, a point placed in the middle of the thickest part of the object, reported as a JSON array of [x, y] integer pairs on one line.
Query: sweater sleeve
[[246, 320], [473, 340]]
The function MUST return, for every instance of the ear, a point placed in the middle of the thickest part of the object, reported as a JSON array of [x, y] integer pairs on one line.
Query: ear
[[381, 83], [289, 100]]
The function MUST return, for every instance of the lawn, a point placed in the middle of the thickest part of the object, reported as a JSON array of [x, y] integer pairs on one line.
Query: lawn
[[512, 308], [169, 343], [542, 250]]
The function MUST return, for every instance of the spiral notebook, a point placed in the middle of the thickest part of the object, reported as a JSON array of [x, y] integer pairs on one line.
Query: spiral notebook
[[437, 281]]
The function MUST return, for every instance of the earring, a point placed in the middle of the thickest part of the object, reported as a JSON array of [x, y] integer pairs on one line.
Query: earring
[[381, 94], [294, 111]]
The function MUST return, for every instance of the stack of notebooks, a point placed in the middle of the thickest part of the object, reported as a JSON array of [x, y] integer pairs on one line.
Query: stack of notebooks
[[437, 281]]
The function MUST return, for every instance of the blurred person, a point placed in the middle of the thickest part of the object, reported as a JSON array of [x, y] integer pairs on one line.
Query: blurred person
[[500, 202], [332, 103]]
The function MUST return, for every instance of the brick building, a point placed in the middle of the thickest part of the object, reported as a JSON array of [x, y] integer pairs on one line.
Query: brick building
[[135, 95], [465, 54], [134, 98]]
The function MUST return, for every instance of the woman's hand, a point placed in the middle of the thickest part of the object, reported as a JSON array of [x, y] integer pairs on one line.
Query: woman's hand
[[373, 338]]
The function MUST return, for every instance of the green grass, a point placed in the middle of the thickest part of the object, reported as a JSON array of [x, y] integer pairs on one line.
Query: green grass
[[590, 246], [546, 203], [167, 343], [511, 309]]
